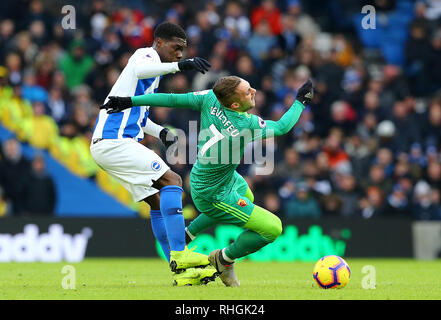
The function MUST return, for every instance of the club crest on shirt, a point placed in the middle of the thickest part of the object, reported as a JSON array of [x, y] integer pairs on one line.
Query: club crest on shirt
[[242, 203], [156, 165]]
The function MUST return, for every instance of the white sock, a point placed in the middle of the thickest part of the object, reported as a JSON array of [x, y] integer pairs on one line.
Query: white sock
[[226, 258], [189, 234]]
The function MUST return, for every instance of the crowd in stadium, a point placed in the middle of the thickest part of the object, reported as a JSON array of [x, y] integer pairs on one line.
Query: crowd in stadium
[[368, 146]]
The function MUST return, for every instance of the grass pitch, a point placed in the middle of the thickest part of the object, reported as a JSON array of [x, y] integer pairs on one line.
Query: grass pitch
[[150, 279]]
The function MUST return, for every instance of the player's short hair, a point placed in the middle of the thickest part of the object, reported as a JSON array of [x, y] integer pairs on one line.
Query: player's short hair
[[167, 30], [225, 89]]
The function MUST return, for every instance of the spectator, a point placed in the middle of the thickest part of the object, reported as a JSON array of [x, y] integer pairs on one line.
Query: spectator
[[271, 202], [434, 61], [433, 176], [377, 178], [343, 116], [236, 22], [7, 28], [367, 128], [40, 193], [267, 11], [207, 80], [246, 69], [359, 152], [40, 130], [302, 205], [58, 109], [372, 205], [334, 151], [14, 65], [289, 39], [371, 104], [385, 159], [76, 64], [417, 54], [424, 208], [331, 205], [31, 91], [347, 191], [261, 42], [406, 125], [290, 167], [431, 130], [398, 205], [14, 174]]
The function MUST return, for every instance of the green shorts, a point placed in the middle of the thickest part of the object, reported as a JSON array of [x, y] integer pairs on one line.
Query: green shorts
[[235, 208]]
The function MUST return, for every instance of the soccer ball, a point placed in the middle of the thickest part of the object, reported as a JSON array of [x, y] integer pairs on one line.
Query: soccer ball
[[331, 272]]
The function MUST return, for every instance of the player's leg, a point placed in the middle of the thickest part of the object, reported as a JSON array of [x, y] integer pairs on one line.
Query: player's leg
[[262, 228], [187, 277], [158, 225], [198, 225], [170, 188], [170, 205], [143, 173]]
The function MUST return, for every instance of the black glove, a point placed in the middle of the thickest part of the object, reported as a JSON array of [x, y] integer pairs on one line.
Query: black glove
[[117, 104], [196, 63], [305, 93], [167, 142]]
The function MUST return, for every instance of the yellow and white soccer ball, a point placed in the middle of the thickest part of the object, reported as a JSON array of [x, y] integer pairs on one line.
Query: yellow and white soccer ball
[[331, 272]]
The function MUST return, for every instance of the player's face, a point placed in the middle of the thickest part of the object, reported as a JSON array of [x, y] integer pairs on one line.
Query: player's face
[[246, 96], [171, 50]]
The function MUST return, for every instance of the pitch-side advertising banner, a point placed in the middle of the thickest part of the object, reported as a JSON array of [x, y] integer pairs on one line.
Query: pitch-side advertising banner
[[73, 239]]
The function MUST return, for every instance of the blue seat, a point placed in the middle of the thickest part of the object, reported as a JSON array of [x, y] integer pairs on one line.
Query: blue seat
[[393, 53], [370, 38]]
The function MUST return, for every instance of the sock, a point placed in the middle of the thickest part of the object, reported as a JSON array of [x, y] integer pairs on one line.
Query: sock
[[224, 259], [188, 236], [248, 242], [201, 223], [171, 210], [159, 231]]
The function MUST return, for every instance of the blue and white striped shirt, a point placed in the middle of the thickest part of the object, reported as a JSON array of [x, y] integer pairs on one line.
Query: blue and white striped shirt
[[133, 81]]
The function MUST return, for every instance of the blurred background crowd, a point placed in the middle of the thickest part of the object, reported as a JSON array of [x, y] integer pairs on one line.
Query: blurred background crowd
[[369, 146]]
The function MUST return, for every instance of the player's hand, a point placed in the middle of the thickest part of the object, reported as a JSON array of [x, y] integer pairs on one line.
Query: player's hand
[[305, 93], [198, 64], [117, 104], [172, 139]]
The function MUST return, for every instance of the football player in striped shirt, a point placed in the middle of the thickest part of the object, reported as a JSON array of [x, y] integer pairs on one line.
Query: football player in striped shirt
[[115, 147]]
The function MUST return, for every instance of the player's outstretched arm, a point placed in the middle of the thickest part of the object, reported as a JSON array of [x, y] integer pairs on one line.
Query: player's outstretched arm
[[192, 100], [290, 117], [145, 70]]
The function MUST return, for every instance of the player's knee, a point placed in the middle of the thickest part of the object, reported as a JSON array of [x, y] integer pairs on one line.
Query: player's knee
[[169, 178], [274, 229], [175, 179]]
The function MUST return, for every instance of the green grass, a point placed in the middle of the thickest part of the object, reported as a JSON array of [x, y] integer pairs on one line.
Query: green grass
[[396, 279]]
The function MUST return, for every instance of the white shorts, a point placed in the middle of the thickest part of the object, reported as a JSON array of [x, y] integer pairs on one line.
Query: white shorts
[[132, 164]]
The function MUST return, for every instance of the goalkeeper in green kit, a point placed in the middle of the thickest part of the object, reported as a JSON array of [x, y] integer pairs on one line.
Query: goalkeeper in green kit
[[220, 193]]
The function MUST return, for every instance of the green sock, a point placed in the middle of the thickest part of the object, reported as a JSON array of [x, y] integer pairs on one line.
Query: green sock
[[247, 243], [201, 223]]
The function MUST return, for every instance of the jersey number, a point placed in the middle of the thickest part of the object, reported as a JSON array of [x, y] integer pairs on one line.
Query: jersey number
[[217, 136]]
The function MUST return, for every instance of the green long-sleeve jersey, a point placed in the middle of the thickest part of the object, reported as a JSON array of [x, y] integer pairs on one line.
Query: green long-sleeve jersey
[[223, 136]]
